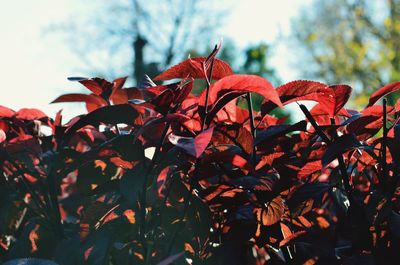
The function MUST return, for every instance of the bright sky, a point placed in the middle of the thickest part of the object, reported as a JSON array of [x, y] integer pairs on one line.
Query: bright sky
[[34, 67]]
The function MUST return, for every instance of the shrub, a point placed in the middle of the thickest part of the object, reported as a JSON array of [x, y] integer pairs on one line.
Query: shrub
[[157, 175]]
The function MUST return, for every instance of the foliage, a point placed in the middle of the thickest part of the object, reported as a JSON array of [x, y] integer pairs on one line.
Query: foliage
[[353, 41], [156, 175]]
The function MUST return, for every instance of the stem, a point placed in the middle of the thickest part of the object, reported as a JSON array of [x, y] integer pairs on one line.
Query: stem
[[342, 165], [314, 124], [35, 198], [208, 80], [144, 190], [384, 144], [252, 126], [54, 202], [188, 199]]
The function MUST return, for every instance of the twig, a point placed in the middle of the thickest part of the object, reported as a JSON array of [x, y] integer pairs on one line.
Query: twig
[[384, 172], [143, 200], [252, 126], [342, 165], [208, 80]]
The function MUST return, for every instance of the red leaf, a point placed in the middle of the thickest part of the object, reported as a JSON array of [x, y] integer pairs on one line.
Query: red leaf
[[30, 114], [341, 95], [184, 120], [193, 67], [162, 102], [241, 83], [97, 85], [309, 168], [122, 96], [383, 91], [3, 136], [182, 94], [376, 111], [268, 159], [119, 83], [301, 90], [194, 146], [87, 253], [236, 134], [77, 97], [119, 95], [6, 112], [223, 102], [161, 180]]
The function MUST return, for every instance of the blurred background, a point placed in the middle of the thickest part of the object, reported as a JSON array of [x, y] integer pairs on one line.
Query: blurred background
[[43, 42]]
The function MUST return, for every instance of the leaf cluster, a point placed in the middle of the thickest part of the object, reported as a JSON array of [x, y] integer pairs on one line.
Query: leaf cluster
[[155, 174]]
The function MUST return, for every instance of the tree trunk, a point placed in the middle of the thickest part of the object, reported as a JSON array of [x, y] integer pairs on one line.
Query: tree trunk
[[138, 64]]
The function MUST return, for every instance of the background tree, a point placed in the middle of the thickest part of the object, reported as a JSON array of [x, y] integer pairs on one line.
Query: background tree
[[136, 37], [347, 41], [257, 63]]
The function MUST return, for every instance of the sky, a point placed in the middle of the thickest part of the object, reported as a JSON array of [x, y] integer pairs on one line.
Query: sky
[[34, 66]]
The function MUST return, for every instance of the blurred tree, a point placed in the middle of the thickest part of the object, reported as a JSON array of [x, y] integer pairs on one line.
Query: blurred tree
[[256, 63], [141, 36], [351, 41]]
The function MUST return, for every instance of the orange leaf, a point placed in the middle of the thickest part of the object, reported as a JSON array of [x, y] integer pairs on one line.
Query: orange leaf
[[33, 237], [130, 215]]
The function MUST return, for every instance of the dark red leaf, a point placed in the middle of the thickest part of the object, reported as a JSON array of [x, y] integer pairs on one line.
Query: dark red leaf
[[193, 146], [183, 92], [123, 113], [162, 103], [228, 157], [193, 67], [365, 125], [341, 95], [272, 213], [236, 134], [274, 131], [338, 147], [383, 91], [308, 191], [77, 97], [98, 86], [301, 90]]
